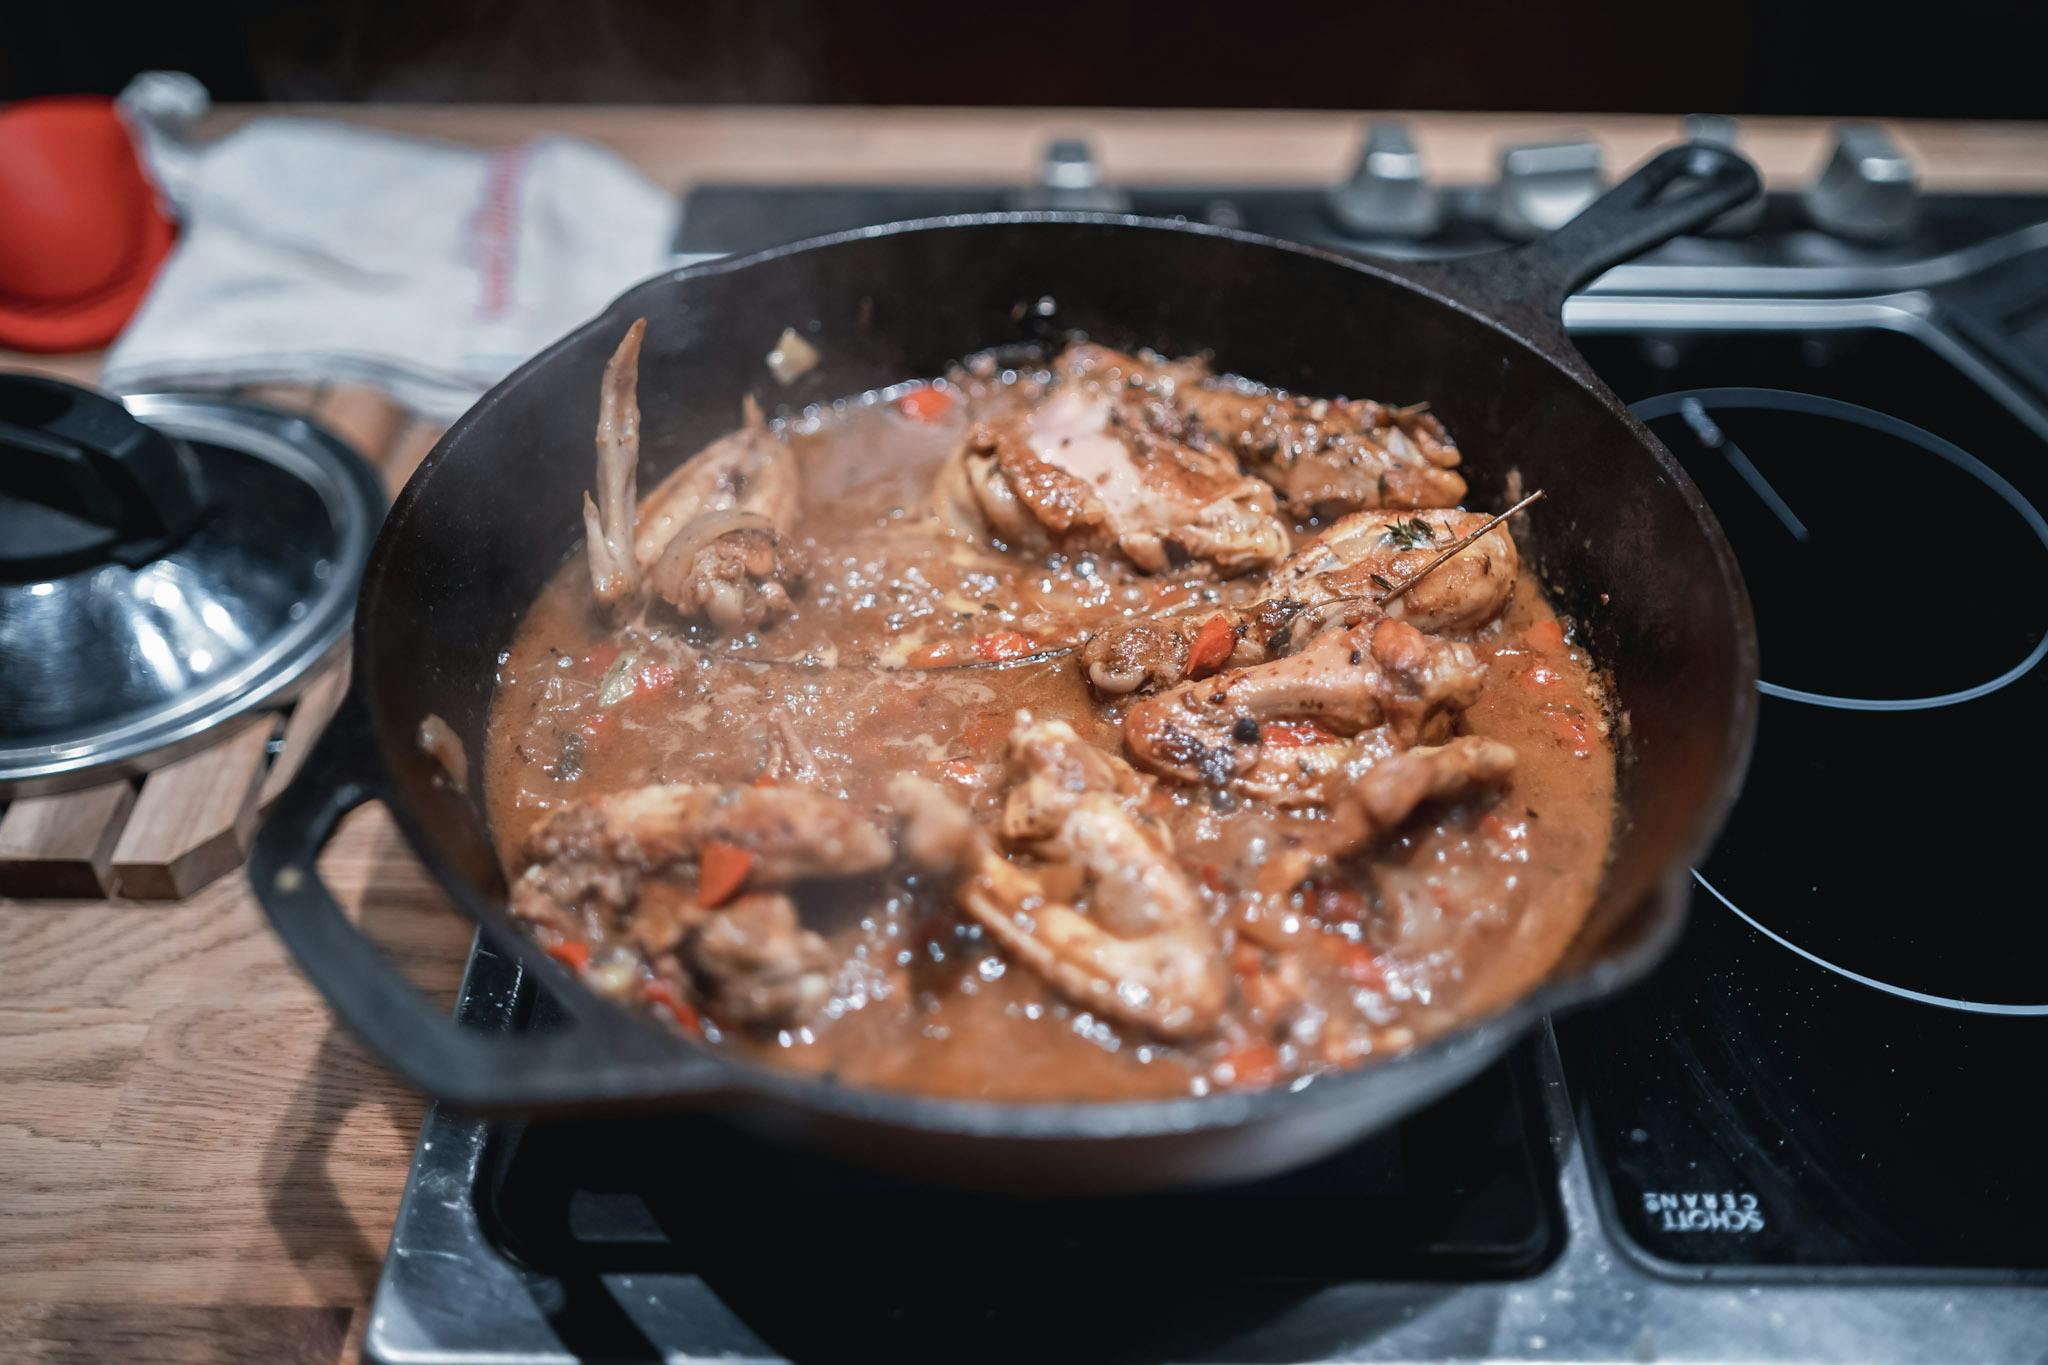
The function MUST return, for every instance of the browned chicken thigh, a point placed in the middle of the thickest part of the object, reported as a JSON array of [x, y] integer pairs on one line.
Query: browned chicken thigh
[[1080, 470], [1329, 456], [1365, 554]]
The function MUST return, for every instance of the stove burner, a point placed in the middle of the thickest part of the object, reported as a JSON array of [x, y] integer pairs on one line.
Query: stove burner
[[1855, 543], [1903, 992]]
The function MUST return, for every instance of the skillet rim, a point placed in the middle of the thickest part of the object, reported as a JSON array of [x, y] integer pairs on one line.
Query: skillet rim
[[705, 1074]]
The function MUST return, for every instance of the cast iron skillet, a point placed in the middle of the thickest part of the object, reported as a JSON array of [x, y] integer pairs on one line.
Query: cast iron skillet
[[1630, 549]]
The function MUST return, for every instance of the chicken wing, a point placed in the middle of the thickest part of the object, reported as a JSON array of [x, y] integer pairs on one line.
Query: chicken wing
[[715, 535], [608, 521], [713, 538]]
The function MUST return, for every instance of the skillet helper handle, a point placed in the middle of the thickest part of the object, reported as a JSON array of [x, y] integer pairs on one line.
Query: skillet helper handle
[[1679, 189], [558, 1070]]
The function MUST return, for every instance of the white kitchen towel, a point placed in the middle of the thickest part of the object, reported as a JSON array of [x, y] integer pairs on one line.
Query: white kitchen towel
[[313, 251]]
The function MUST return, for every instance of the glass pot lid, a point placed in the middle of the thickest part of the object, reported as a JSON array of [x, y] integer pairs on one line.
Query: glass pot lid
[[166, 565]]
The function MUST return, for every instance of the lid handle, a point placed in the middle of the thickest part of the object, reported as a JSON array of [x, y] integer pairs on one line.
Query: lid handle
[[82, 482]]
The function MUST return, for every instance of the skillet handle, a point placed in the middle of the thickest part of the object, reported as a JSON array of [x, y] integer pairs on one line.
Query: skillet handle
[[1678, 189], [571, 1068]]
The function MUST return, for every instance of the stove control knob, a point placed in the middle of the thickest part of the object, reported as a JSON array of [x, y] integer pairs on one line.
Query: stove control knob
[[1718, 130], [1867, 192], [1544, 185], [1387, 195], [1070, 179]]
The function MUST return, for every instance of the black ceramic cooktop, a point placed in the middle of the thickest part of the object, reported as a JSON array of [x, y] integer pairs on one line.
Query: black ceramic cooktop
[[1840, 1065]]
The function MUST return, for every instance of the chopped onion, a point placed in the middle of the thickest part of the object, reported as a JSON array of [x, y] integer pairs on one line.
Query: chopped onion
[[437, 740], [792, 358], [620, 679]]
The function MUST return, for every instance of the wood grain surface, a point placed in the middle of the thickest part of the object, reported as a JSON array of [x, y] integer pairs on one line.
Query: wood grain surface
[[63, 845], [195, 1163]]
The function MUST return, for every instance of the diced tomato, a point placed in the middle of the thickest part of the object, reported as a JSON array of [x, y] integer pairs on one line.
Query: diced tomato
[[1293, 734], [1214, 643], [1253, 1064], [664, 997], [654, 678], [571, 953], [1247, 960], [925, 405], [1547, 636], [721, 870], [1004, 644], [1541, 675], [1362, 967], [985, 731]]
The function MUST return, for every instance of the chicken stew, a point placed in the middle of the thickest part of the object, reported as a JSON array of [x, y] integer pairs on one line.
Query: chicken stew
[[1091, 727]]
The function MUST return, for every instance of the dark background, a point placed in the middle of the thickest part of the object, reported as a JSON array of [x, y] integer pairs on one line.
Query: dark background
[[1965, 58]]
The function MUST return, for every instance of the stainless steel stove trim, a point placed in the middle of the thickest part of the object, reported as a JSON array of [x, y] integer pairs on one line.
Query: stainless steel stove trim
[[1913, 312], [1654, 276]]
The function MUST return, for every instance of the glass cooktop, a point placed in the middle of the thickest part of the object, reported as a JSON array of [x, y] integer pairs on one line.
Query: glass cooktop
[[1838, 1065]]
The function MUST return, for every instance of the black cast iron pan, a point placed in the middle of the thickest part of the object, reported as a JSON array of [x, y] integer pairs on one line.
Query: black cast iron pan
[[1625, 539]]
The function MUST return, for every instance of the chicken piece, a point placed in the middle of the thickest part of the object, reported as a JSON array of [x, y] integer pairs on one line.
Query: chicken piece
[[1155, 652], [715, 535], [592, 855], [1328, 456], [1081, 470], [1366, 553], [754, 965], [1104, 915], [1382, 798], [1138, 656], [1349, 567], [1097, 367], [608, 522], [1378, 675], [615, 859]]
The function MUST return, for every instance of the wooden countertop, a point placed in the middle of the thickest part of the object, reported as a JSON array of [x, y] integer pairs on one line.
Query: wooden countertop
[[195, 1164]]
